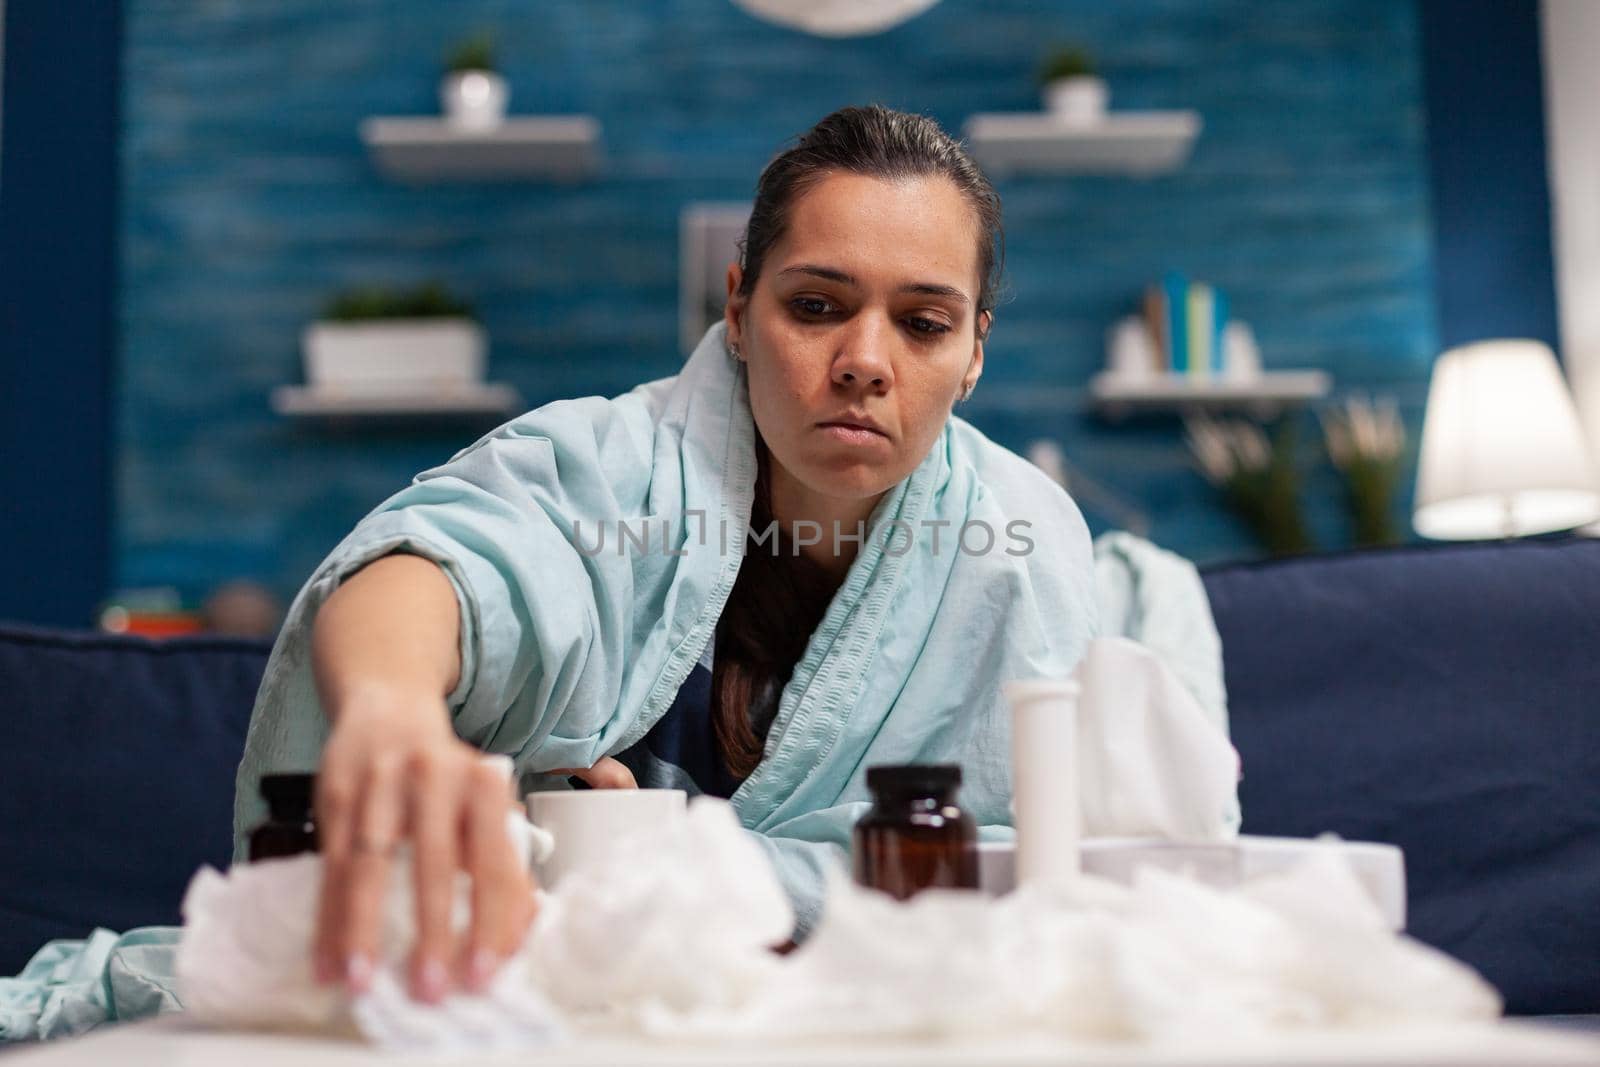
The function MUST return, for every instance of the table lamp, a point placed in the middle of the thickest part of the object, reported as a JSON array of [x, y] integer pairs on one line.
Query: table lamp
[[1503, 454]]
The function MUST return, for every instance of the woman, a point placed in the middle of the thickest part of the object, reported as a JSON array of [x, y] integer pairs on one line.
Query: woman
[[756, 578]]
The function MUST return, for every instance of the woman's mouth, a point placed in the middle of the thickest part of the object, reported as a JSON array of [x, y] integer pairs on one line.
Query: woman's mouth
[[851, 433]]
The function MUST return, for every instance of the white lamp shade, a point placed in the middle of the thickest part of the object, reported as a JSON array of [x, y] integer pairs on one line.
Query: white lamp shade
[[836, 18], [1503, 454]]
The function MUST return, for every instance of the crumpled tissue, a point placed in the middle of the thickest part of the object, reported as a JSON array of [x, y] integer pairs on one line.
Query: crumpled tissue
[[681, 917], [1165, 959], [670, 935]]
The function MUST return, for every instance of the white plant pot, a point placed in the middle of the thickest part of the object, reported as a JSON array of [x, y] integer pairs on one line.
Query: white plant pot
[[398, 356], [1077, 101], [474, 99]]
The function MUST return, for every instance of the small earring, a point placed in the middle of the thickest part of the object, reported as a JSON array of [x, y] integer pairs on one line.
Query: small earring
[[733, 350], [967, 391]]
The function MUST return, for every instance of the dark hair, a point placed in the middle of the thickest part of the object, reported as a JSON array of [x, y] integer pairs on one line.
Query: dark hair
[[879, 143], [780, 595], [777, 600]]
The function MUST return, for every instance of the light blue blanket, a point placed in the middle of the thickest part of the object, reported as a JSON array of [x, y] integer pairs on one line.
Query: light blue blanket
[[975, 569], [72, 986]]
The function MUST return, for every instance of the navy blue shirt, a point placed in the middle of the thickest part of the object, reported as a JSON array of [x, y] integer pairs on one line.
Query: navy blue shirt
[[680, 751]]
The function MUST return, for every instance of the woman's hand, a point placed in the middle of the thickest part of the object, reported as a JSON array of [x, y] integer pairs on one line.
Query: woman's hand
[[393, 771], [607, 774]]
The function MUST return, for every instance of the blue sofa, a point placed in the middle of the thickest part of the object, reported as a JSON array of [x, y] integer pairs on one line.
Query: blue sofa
[[1441, 698]]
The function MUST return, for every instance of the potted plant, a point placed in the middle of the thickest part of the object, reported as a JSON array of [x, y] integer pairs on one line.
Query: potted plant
[[1073, 91], [1257, 476], [381, 339], [1367, 441], [473, 94]]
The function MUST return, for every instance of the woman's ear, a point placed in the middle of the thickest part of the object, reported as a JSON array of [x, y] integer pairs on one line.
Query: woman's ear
[[975, 368], [733, 310]]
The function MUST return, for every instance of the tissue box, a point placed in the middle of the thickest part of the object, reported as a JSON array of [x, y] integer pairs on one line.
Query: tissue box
[[1224, 864]]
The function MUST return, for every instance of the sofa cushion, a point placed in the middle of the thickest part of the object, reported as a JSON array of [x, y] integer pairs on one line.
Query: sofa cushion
[[116, 776], [1445, 699]]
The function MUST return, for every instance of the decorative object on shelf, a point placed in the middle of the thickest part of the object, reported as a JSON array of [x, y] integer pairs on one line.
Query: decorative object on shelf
[[1503, 453], [473, 93], [1366, 441], [708, 240], [156, 611], [242, 607], [395, 351], [1257, 476], [836, 18], [1184, 351], [1075, 133], [375, 339], [1038, 142], [1074, 93]]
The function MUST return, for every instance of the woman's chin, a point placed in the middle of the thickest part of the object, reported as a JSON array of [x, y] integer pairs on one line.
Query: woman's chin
[[850, 479]]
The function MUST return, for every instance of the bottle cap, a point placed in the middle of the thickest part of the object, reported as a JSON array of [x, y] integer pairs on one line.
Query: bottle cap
[[289, 796], [914, 778]]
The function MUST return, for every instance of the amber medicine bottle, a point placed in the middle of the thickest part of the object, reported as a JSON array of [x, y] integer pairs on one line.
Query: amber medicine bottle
[[915, 836], [290, 828]]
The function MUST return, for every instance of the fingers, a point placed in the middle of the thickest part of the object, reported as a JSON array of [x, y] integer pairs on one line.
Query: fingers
[[502, 895], [366, 874], [336, 800], [364, 827], [608, 774], [435, 816], [375, 792]]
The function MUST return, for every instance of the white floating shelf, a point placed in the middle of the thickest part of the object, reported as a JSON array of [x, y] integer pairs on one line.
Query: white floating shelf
[[488, 399], [1271, 391], [559, 147], [1133, 142]]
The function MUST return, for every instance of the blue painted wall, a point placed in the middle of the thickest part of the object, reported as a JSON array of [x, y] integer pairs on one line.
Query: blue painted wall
[[58, 228], [1494, 271], [247, 199]]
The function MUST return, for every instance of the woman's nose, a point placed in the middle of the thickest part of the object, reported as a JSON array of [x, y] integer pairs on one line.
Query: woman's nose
[[863, 357]]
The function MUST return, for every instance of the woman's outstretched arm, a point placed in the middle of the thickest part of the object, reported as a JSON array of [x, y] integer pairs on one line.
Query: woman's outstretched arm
[[385, 654]]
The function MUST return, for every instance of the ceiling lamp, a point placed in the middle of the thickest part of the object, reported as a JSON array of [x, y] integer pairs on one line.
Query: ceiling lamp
[[836, 18]]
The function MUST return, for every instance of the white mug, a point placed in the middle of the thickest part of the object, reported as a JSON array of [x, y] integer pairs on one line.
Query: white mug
[[572, 828]]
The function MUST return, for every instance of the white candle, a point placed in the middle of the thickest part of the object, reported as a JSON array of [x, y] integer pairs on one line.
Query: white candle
[[1044, 777]]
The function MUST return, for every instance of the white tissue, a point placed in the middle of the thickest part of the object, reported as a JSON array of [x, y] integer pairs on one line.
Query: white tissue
[[1151, 762], [676, 919], [668, 936], [507, 1015], [683, 918], [245, 956], [1166, 959], [244, 961]]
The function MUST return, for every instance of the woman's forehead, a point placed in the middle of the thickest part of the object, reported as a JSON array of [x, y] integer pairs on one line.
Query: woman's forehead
[[917, 231]]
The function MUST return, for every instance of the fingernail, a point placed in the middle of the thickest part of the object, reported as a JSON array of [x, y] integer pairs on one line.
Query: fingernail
[[431, 981], [481, 968], [358, 972]]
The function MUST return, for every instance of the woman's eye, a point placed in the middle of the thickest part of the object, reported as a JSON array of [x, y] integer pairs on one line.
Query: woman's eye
[[810, 305], [927, 327]]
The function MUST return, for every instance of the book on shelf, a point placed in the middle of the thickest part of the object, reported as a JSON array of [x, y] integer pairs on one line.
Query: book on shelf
[[1187, 323]]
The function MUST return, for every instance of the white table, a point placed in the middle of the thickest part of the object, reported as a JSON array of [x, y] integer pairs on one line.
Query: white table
[[174, 1042]]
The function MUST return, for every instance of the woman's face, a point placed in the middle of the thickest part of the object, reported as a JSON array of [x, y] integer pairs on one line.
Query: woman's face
[[860, 335]]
